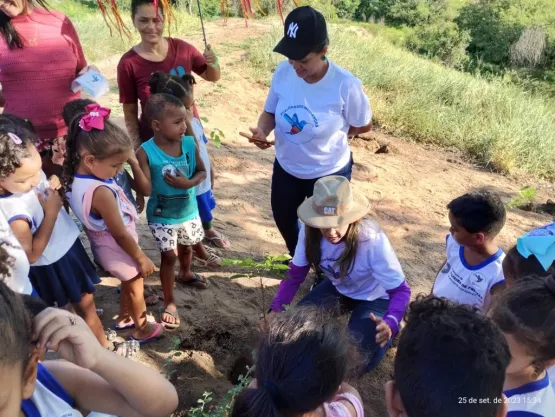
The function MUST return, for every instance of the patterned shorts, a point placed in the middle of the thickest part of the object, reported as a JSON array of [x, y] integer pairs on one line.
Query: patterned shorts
[[168, 236]]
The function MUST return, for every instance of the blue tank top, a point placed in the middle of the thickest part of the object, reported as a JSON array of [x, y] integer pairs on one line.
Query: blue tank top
[[169, 205]]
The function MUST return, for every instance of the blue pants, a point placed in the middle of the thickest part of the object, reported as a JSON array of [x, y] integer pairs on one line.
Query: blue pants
[[288, 193], [361, 326]]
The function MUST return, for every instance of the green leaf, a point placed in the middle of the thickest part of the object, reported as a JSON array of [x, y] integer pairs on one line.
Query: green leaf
[[281, 267], [177, 354], [212, 134], [217, 142], [204, 119], [282, 258], [239, 276]]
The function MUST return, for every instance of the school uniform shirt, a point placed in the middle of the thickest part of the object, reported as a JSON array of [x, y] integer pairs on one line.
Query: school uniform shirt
[[466, 284], [27, 206], [49, 399], [375, 270], [18, 281], [312, 120], [536, 399], [198, 130]]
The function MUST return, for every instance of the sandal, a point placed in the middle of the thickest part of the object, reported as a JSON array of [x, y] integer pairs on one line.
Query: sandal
[[213, 261], [156, 335], [126, 349], [175, 315], [125, 327], [99, 312], [219, 241], [197, 282]]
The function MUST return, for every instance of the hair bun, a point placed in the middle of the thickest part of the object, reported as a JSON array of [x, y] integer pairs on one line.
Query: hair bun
[[550, 284]]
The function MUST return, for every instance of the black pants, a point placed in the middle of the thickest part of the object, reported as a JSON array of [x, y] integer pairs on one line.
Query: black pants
[[288, 193]]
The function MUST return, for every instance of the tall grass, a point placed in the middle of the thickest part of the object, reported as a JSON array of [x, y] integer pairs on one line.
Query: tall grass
[[500, 125], [95, 35]]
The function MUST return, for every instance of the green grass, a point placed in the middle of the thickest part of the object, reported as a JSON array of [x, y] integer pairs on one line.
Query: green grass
[[498, 124], [95, 36]]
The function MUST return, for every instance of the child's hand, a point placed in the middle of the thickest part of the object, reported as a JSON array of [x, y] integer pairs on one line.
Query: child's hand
[[69, 335], [54, 182], [140, 200], [177, 181], [52, 203], [383, 331], [146, 266], [264, 323], [133, 159]]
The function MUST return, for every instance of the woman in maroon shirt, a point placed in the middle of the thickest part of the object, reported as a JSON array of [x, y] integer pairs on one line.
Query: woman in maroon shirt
[[155, 53]]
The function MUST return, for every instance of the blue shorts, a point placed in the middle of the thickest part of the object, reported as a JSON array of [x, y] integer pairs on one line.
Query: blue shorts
[[206, 203]]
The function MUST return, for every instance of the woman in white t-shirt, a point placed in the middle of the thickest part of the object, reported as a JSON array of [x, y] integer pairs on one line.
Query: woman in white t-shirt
[[363, 274], [313, 107]]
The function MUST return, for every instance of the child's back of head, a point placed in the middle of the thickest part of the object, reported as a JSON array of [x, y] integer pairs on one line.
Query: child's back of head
[[526, 311], [448, 354], [479, 212], [300, 364], [180, 87], [73, 108]]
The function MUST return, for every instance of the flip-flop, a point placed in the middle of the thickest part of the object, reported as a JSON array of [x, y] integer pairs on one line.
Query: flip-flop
[[219, 241], [213, 261], [126, 327], [170, 326], [197, 282], [156, 335]]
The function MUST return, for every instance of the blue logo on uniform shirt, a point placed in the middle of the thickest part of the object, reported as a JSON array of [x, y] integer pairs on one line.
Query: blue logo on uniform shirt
[[446, 268], [302, 121]]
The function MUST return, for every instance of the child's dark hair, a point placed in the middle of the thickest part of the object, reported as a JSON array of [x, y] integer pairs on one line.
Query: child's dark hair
[[446, 352], [11, 152], [479, 211], [102, 144], [157, 103], [182, 88], [7, 30], [15, 329], [527, 311], [33, 305], [300, 364], [516, 266], [75, 107], [6, 261]]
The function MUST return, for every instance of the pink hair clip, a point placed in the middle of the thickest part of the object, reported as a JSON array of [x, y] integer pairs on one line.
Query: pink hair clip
[[16, 139], [95, 117]]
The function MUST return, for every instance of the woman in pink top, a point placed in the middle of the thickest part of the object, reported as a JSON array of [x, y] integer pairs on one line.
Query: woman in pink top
[[34, 85], [302, 363], [155, 53]]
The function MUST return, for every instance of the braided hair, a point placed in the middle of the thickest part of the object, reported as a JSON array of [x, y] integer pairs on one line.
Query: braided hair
[[101, 144], [12, 152], [180, 87]]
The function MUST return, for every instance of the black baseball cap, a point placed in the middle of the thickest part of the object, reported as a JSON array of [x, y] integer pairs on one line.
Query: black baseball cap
[[305, 29]]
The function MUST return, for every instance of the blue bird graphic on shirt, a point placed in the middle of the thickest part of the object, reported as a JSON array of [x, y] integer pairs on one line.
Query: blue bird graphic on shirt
[[296, 125]]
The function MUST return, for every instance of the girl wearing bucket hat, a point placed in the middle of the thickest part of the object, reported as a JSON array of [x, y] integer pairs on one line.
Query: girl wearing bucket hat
[[313, 107], [363, 274]]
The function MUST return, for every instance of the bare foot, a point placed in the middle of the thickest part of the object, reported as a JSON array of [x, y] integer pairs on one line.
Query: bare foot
[[146, 331]]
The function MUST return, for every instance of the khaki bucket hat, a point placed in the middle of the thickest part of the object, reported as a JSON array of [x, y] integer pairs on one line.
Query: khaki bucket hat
[[333, 204]]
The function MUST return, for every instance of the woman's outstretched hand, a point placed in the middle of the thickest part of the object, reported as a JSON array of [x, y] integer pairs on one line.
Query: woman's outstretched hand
[[383, 331], [69, 335], [258, 137]]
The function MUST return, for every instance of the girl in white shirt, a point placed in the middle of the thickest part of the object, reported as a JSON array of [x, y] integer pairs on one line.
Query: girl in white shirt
[[363, 274], [525, 315], [61, 271]]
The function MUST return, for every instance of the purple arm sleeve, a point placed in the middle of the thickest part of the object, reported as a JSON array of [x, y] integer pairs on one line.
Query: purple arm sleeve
[[289, 286], [398, 301]]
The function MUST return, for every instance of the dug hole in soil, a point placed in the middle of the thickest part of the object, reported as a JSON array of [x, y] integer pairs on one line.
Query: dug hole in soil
[[409, 188]]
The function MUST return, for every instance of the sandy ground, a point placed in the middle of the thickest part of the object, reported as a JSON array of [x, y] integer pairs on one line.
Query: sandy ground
[[409, 188]]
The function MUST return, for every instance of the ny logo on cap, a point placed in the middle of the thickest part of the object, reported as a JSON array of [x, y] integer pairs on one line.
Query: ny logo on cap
[[292, 30]]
